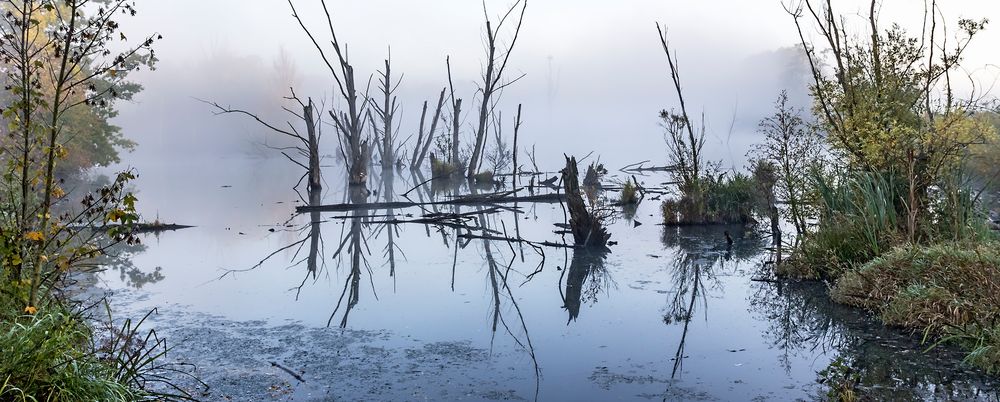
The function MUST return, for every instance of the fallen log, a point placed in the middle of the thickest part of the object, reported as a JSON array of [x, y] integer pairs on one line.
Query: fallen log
[[466, 200], [157, 227], [137, 228], [515, 240], [641, 167]]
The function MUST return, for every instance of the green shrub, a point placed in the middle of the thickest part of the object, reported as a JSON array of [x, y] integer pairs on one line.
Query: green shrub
[[630, 194], [442, 169], [485, 178], [715, 200]]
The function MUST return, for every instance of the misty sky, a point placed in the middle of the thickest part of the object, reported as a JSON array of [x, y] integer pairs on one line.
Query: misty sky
[[595, 75]]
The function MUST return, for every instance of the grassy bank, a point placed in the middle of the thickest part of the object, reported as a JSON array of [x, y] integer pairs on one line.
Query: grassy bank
[[49, 357], [949, 291]]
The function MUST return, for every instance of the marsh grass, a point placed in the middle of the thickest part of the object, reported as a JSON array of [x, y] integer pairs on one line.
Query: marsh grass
[[858, 222], [716, 200], [840, 381], [484, 178], [949, 291], [46, 359], [56, 355], [442, 169], [630, 193]]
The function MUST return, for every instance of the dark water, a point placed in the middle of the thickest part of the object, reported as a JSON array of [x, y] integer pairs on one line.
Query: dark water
[[368, 308]]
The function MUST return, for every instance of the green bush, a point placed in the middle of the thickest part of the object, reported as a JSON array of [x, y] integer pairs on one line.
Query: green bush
[[484, 178], [715, 200], [442, 169], [629, 193]]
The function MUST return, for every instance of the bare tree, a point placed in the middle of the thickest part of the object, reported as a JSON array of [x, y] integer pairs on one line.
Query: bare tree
[[424, 144], [456, 112], [387, 114], [497, 57], [307, 143], [686, 152], [350, 122]]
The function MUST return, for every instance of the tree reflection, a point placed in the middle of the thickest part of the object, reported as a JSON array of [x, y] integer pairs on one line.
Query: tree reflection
[[702, 253], [586, 279], [880, 363], [119, 258], [691, 277], [356, 244]]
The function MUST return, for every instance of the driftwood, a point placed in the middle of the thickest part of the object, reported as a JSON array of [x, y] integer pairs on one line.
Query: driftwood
[[159, 227], [514, 240], [501, 198], [588, 230], [137, 228], [641, 167], [289, 371]]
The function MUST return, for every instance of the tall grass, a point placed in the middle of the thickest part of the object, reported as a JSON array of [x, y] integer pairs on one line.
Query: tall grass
[[53, 356], [45, 360], [859, 221], [715, 200], [630, 193], [868, 200]]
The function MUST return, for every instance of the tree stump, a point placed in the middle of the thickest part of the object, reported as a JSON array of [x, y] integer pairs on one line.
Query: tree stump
[[588, 230]]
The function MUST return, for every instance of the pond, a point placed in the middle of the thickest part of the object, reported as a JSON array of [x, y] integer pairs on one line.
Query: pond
[[379, 304]]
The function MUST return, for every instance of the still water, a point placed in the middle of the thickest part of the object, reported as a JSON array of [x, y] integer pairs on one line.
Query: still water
[[369, 305]]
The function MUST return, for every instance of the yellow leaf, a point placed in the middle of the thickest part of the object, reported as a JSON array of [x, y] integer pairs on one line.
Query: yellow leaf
[[43, 258], [34, 236], [32, 310]]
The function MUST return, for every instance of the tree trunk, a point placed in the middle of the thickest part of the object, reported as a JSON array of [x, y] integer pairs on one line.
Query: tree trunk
[[588, 230], [454, 133], [315, 177]]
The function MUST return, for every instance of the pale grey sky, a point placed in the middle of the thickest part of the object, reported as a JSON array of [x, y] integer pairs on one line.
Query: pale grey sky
[[594, 68]]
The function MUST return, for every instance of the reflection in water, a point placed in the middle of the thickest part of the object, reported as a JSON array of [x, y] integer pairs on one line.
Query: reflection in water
[[801, 324], [356, 244], [388, 178], [703, 253], [586, 279], [315, 234], [119, 258], [885, 363]]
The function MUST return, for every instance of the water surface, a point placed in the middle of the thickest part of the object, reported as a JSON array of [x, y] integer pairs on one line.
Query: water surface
[[368, 308]]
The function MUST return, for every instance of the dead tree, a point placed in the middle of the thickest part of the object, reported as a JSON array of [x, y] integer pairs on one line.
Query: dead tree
[[517, 130], [312, 139], [349, 123], [456, 112], [387, 114], [686, 153], [587, 225], [307, 144], [424, 145], [496, 64]]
